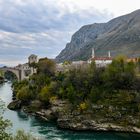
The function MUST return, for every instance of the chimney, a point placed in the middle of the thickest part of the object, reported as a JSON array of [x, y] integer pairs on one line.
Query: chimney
[[109, 54], [93, 53]]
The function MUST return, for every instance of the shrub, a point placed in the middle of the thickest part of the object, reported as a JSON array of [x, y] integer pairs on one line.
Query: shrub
[[25, 94], [83, 106], [53, 99], [45, 94], [21, 135]]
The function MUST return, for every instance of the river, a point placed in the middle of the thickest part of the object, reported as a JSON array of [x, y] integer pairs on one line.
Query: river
[[49, 131]]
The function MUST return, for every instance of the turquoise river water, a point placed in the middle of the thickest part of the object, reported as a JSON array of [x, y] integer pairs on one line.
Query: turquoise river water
[[49, 131]]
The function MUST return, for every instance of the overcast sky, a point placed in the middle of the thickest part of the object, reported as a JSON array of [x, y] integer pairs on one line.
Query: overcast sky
[[43, 27]]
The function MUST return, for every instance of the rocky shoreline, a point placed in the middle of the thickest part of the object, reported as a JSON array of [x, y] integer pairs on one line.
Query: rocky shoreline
[[91, 125], [59, 112]]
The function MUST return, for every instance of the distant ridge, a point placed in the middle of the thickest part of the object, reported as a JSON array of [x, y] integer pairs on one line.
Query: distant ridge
[[119, 36]]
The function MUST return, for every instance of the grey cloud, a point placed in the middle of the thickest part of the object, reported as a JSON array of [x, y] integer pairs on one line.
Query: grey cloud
[[35, 27], [38, 17]]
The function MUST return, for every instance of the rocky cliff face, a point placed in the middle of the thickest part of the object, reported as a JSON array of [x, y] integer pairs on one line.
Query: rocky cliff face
[[120, 35]]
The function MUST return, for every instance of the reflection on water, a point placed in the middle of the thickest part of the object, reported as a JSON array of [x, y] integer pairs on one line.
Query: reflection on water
[[50, 131]]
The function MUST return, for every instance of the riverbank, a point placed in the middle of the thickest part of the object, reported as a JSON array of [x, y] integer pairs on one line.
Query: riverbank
[[49, 130], [1, 80], [69, 118]]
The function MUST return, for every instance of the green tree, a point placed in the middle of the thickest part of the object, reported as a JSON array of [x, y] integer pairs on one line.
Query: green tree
[[4, 125], [67, 63], [1, 73], [138, 63], [46, 66], [49, 91], [45, 94], [25, 94], [120, 74], [95, 94], [71, 93]]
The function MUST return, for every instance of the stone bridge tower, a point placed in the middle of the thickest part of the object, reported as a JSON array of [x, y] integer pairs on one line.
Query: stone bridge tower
[[32, 59]]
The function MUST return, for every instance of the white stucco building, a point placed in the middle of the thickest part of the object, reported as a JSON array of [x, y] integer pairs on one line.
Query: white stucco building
[[100, 61]]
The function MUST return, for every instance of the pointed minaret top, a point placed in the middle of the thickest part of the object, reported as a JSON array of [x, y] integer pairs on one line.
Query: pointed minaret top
[[93, 53], [109, 54]]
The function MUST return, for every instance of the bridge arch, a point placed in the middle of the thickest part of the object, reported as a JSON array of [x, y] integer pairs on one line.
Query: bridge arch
[[14, 71]]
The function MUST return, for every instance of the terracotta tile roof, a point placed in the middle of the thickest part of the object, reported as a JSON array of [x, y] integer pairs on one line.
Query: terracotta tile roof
[[101, 58]]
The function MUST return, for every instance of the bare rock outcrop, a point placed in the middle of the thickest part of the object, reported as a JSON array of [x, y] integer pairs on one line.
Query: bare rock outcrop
[[120, 36]]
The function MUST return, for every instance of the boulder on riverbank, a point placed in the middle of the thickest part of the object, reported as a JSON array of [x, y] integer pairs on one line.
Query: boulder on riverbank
[[54, 111], [32, 107], [14, 105]]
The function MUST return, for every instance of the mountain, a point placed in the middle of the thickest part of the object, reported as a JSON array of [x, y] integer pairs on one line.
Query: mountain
[[119, 36]]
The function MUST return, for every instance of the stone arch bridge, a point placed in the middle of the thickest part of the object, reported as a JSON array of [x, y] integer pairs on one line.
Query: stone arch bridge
[[13, 70], [21, 74], [23, 71]]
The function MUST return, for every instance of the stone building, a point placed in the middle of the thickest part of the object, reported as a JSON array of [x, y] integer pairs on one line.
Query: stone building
[[25, 70], [32, 59]]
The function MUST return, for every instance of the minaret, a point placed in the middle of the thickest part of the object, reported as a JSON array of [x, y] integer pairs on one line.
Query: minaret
[[93, 53], [109, 54]]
